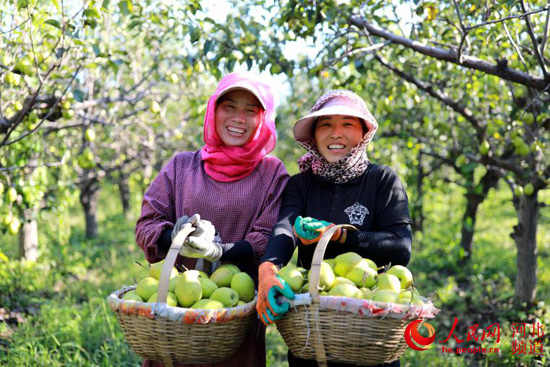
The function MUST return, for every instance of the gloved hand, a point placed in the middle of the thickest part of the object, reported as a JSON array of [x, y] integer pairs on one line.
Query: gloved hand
[[309, 230], [203, 242], [270, 286]]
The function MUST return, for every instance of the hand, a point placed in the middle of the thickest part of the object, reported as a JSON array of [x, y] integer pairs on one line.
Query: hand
[[179, 225], [270, 285], [309, 230], [203, 242]]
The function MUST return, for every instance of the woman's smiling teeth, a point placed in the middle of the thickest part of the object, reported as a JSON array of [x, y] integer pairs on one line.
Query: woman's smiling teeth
[[336, 146], [236, 130]]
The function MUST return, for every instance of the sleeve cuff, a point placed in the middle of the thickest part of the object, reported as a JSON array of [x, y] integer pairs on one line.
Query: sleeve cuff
[[352, 239], [240, 251], [165, 240]]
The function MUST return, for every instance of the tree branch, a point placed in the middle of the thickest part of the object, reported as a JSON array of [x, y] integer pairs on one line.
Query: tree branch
[[545, 33], [502, 71], [428, 88], [546, 8], [534, 40]]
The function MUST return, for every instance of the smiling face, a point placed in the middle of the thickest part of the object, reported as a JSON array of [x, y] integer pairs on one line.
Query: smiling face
[[336, 135], [238, 114]]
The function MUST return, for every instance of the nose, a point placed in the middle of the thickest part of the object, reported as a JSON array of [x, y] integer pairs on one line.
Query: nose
[[336, 131], [240, 116]]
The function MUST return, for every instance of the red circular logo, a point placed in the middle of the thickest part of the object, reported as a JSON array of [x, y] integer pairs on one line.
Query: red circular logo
[[420, 342]]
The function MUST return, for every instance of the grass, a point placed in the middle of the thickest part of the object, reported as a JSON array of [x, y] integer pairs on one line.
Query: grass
[[57, 314]]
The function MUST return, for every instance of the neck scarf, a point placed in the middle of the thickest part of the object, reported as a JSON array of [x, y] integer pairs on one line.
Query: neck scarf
[[225, 163], [346, 169]]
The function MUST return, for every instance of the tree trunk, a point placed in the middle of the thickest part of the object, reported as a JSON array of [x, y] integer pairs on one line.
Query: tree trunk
[[88, 198], [525, 236], [418, 207], [28, 240], [473, 200], [468, 223], [124, 190]]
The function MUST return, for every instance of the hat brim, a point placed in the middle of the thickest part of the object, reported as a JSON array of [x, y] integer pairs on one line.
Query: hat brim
[[303, 127], [247, 88]]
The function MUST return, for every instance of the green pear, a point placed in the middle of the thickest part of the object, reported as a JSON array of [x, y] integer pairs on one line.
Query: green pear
[[341, 280], [345, 290], [171, 299], [371, 263], [172, 283], [410, 296], [241, 303], [304, 289], [229, 297], [232, 267], [243, 284], [189, 275], [132, 296], [326, 276], [405, 276], [294, 258], [389, 281], [156, 269], [345, 262], [207, 304], [202, 274], [292, 276], [223, 276], [367, 293], [363, 275], [147, 287], [330, 262], [385, 295], [188, 289], [208, 287]]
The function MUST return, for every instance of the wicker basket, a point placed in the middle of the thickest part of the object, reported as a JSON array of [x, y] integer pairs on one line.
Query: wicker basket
[[346, 330], [172, 335]]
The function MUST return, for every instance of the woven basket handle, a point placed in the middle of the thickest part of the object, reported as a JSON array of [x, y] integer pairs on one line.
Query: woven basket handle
[[171, 260], [318, 256]]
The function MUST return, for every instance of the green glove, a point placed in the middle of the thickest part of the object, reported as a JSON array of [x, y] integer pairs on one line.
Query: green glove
[[310, 230]]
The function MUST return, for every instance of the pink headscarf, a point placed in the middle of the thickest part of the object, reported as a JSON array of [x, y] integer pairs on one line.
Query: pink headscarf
[[225, 163]]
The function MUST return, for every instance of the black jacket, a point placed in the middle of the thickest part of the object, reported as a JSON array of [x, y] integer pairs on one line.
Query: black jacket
[[375, 202]]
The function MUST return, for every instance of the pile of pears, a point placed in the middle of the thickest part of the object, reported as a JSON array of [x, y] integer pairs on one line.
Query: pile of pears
[[227, 287], [350, 275]]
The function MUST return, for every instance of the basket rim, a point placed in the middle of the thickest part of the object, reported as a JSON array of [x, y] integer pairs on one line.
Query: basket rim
[[179, 314], [368, 308]]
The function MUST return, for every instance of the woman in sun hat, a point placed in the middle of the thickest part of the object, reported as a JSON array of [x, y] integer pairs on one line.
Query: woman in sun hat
[[337, 184], [229, 186]]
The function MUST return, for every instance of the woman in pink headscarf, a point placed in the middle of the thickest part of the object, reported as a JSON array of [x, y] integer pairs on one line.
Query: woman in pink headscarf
[[230, 188]]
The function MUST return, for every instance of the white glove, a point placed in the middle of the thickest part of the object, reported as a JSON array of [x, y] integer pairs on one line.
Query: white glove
[[203, 242]]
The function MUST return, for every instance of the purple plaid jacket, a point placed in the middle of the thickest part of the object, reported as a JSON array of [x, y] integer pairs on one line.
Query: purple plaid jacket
[[245, 209]]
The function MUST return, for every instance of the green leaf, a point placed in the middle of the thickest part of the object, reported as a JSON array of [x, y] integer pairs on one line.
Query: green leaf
[[124, 7], [78, 95], [54, 23], [194, 33], [133, 24], [207, 45], [92, 13]]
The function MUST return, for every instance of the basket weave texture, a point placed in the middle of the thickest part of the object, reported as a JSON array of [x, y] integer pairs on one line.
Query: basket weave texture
[[172, 335], [347, 330]]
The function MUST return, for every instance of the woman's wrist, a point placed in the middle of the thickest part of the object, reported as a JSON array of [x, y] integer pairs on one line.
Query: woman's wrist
[[343, 236]]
